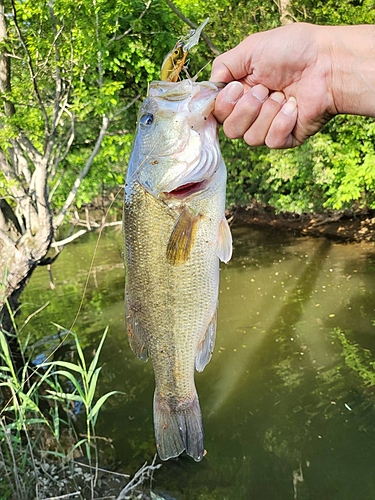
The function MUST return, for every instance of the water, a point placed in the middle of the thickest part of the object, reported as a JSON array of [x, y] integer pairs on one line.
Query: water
[[288, 397]]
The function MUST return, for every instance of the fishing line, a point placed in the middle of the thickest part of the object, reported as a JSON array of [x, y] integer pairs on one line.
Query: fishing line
[[92, 262], [35, 370]]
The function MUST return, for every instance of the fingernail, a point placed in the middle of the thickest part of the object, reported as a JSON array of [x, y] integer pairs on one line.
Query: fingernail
[[233, 92], [260, 92], [278, 97], [290, 106]]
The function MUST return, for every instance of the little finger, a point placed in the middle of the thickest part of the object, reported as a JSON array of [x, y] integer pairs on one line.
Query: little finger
[[280, 132]]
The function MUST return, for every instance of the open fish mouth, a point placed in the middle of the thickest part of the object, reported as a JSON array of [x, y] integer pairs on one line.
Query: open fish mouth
[[187, 189]]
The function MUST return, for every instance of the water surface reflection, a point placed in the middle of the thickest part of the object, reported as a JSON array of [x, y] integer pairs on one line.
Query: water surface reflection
[[287, 399]]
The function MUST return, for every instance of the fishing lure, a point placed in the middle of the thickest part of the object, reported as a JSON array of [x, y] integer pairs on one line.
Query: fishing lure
[[174, 62]]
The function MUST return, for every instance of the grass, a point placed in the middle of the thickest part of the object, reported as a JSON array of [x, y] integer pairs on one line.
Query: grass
[[38, 442]]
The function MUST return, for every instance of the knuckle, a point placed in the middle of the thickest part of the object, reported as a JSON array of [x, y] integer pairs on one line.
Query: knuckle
[[231, 131], [253, 139]]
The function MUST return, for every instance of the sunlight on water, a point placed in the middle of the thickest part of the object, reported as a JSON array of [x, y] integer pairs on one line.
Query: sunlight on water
[[287, 399]]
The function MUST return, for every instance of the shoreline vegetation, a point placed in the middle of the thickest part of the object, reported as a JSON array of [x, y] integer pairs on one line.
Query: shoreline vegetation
[[346, 226], [71, 81], [49, 449], [357, 225]]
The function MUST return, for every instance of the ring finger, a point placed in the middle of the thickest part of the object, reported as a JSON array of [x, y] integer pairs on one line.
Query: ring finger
[[257, 132]]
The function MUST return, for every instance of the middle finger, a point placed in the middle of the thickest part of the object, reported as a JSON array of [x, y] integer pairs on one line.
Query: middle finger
[[245, 112]]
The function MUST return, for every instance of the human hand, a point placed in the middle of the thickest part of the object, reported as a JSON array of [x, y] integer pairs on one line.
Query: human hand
[[280, 89]]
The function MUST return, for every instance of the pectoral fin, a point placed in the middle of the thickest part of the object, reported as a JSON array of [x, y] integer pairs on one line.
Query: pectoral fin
[[224, 247], [136, 334], [206, 346], [182, 238]]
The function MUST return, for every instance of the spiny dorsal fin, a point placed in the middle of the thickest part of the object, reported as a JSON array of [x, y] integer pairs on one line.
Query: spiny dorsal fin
[[224, 247], [182, 238], [206, 346]]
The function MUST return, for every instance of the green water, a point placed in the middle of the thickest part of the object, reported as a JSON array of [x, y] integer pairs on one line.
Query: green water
[[288, 398]]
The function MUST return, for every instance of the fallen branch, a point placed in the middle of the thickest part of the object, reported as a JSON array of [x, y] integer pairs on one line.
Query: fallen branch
[[145, 472], [68, 495], [81, 232]]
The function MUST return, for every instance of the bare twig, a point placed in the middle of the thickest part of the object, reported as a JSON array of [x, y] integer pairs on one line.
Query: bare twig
[[139, 477], [67, 495], [81, 232], [116, 38], [81, 464], [135, 99], [63, 148], [32, 315], [186, 20]]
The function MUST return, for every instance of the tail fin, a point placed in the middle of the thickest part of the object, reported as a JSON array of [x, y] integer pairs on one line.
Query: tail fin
[[178, 427]]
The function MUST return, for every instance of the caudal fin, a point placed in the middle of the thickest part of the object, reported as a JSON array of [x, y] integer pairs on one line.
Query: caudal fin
[[178, 427]]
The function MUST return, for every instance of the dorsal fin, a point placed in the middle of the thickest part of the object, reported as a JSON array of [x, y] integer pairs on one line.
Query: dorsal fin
[[136, 334]]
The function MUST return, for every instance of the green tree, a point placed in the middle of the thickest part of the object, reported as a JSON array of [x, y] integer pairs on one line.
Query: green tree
[[69, 75]]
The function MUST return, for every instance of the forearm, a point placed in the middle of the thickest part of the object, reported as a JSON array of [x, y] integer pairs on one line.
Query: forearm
[[353, 68]]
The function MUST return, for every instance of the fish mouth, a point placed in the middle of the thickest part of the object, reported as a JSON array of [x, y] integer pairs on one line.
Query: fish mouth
[[187, 189]]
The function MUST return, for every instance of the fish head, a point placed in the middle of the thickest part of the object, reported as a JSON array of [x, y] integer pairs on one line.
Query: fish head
[[176, 150]]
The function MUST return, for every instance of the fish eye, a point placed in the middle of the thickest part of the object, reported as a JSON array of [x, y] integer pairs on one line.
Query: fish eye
[[146, 120]]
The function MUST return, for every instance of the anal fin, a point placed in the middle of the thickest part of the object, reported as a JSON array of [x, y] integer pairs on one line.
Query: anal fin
[[136, 334], [206, 346], [182, 238]]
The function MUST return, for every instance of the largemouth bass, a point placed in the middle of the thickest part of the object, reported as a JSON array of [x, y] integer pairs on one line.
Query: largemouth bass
[[175, 234]]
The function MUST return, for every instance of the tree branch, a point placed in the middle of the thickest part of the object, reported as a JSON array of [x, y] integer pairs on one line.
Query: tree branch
[[70, 198], [6, 239], [81, 232], [31, 69], [116, 38], [5, 68], [135, 99], [186, 20]]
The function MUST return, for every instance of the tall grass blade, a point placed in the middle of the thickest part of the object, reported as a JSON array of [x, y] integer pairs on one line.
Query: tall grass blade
[[94, 412]]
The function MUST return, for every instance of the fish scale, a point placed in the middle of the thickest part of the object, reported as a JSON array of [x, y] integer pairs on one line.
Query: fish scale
[[172, 251]]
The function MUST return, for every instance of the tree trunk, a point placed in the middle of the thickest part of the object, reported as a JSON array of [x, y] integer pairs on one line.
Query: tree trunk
[[285, 15], [26, 230]]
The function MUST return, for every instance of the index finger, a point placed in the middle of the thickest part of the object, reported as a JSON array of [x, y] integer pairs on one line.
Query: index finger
[[234, 64]]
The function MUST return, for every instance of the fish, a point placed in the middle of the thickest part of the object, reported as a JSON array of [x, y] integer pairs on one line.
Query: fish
[[175, 60], [175, 235]]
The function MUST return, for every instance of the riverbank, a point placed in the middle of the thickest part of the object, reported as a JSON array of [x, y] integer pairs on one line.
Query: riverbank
[[341, 226]]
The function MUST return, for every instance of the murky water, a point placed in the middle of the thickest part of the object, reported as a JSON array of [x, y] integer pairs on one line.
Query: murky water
[[288, 398]]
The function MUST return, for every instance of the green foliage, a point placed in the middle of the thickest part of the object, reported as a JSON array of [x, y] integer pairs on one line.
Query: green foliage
[[335, 168], [26, 426], [84, 387], [360, 361], [107, 54]]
